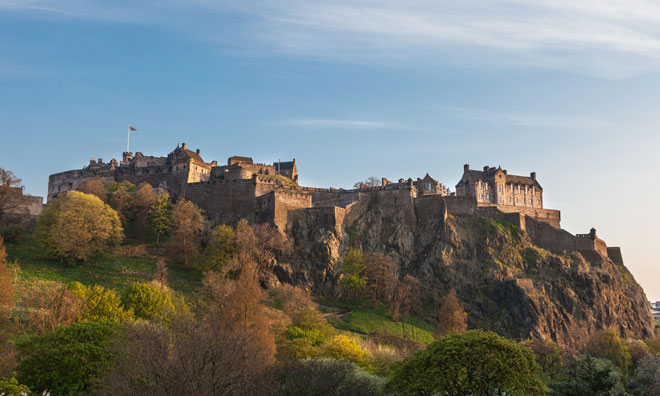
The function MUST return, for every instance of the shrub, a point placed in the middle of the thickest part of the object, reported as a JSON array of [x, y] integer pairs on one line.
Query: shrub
[[342, 347], [590, 376], [67, 361], [77, 226], [149, 302], [11, 387], [608, 345], [13, 234], [100, 304], [220, 249], [49, 305], [315, 336], [646, 381], [473, 363], [325, 376]]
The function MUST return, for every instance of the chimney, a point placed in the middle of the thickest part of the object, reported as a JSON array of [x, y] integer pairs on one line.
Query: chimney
[[466, 167], [183, 146], [100, 160], [92, 160], [486, 168], [197, 151], [504, 170], [533, 175]]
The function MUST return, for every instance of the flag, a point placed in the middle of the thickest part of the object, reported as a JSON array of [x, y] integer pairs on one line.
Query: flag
[[132, 129]]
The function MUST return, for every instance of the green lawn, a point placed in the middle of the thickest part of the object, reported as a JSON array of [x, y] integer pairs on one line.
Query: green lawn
[[109, 271], [367, 321]]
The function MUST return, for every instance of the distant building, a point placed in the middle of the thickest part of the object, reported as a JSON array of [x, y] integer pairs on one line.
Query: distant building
[[23, 209], [655, 310], [509, 193]]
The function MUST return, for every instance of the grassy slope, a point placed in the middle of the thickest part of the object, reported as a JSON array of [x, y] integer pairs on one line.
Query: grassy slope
[[109, 271], [367, 321]]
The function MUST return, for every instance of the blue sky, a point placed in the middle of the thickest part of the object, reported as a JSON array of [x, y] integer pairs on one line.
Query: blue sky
[[353, 89]]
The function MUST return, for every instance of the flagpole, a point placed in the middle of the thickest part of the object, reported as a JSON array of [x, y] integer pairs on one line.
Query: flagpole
[[128, 139]]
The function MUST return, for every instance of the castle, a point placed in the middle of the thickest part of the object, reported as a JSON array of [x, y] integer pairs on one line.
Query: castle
[[270, 193]]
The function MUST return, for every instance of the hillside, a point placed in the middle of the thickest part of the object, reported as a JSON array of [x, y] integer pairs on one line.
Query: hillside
[[507, 284]]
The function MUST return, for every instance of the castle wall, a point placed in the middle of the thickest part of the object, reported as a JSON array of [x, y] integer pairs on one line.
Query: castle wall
[[285, 201], [549, 216], [225, 200], [26, 213]]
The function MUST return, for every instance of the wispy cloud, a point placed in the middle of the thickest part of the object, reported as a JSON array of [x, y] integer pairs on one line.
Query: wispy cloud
[[524, 119], [348, 124], [611, 38]]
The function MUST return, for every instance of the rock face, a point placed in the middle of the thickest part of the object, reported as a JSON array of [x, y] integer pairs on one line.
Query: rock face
[[507, 284]]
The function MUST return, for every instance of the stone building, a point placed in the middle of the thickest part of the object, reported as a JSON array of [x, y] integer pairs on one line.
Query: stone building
[[21, 208], [509, 193]]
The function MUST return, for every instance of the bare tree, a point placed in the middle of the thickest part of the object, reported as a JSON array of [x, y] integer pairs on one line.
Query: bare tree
[[371, 181], [452, 317], [95, 186], [382, 275], [406, 298], [10, 192]]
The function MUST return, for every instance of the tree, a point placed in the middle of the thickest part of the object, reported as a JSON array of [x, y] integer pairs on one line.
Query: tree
[[452, 317], [220, 250], [549, 356], [143, 198], [325, 376], [371, 181], [607, 344], [121, 200], [260, 244], [475, 363], [100, 305], [6, 303], [160, 215], [590, 376], [95, 186], [77, 226], [149, 301], [646, 380], [352, 270], [49, 305], [10, 192], [406, 297], [382, 275], [186, 228], [67, 361], [342, 347]]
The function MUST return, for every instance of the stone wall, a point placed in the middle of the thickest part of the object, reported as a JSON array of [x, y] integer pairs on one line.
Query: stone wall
[[225, 200], [26, 213], [549, 216], [285, 201]]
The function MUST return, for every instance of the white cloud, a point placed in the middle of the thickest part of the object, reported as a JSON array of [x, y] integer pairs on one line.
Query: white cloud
[[609, 38], [348, 124]]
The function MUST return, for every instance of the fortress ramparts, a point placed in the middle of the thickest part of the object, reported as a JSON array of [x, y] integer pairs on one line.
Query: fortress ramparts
[[270, 193]]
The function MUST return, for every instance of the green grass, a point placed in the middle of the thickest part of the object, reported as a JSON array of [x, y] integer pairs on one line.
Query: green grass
[[368, 321], [109, 271]]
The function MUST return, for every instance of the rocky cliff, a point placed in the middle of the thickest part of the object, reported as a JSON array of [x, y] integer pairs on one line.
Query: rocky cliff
[[507, 284]]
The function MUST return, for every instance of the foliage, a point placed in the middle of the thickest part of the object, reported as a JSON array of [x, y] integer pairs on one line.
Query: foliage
[[188, 358], [77, 226], [653, 342], [6, 303], [607, 344], [549, 356], [492, 228], [11, 387], [646, 380], [67, 361], [325, 376], [406, 298], [279, 179], [382, 276], [342, 347], [160, 215], [370, 181], [148, 301], [475, 363], [220, 250], [100, 304], [13, 234], [121, 200], [452, 317], [260, 244], [143, 198], [10, 191], [186, 228], [48, 305], [588, 376], [315, 336], [95, 186], [352, 270]]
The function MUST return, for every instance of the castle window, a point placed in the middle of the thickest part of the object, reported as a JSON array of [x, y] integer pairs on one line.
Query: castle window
[[499, 188], [487, 196], [509, 199], [526, 189], [481, 196], [501, 201], [479, 185], [533, 190], [516, 200], [511, 187], [518, 188], [538, 202], [427, 186], [530, 202]]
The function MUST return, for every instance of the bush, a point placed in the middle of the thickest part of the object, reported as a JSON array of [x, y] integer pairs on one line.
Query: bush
[[325, 376], [315, 336], [646, 381], [220, 249], [67, 361], [342, 347], [77, 226], [590, 376], [11, 387], [149, 301], [473, 363], [100, 304], [13, 234]]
